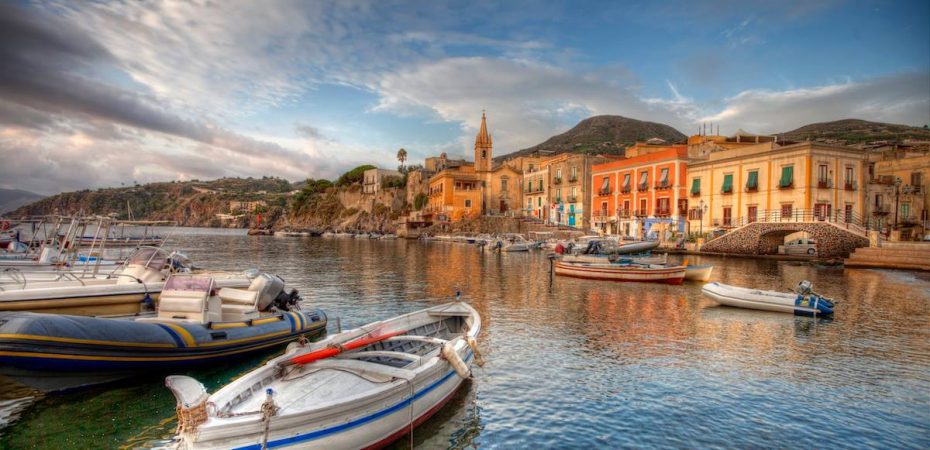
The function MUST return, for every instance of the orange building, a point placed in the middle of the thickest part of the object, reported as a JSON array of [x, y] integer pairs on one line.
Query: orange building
[[641, 195]]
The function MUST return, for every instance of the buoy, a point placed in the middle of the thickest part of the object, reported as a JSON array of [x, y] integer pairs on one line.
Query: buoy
[[449, 353], [474, 348]]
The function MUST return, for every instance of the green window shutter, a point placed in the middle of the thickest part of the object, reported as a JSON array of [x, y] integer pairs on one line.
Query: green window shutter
[[753, 180], [539, 201], [728, 183], [787, 176], [696, 186]]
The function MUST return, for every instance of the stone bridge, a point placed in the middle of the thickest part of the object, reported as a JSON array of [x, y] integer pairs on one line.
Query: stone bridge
[[763, 238]]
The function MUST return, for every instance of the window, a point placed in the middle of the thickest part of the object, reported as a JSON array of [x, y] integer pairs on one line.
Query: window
[[467, 203], [539, 201], [663, 207], [727, 216], [644, 180], [503, 185], [849, 176], [531, 167], [751, 213], [558, 173], [484, 153], [915, 179], [605, 186], [787, 177], [696, 186], [727, 184], [786, 211], [663, 177], [848, 213], [626, 207], [573, 193], [558, 195], [878, 201], [752, 184], [603, 208], [905, 211], [822, 173], [574, 173], [540, 184], [642, 207], [626, 182]]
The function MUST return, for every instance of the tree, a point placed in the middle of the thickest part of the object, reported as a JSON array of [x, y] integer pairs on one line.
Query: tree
[[353, 176], [402, 156]]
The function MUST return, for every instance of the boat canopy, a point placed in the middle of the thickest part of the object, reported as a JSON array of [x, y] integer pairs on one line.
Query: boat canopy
[[152, 257]]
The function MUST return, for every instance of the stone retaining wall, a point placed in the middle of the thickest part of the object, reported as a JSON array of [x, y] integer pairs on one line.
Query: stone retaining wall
[[764, 238]]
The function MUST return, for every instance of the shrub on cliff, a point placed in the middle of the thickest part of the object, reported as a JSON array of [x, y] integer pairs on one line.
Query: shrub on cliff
[[420, 201], [354, 176]]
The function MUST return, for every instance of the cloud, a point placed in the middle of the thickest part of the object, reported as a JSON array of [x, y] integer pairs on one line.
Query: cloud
[[900, 98], [526, 101]]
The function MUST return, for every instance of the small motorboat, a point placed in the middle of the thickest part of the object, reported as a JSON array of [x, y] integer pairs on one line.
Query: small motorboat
[[698, 272], [512, 243], [616, 259], [363, 388], [195, 323], [645, 273], [802, 302]]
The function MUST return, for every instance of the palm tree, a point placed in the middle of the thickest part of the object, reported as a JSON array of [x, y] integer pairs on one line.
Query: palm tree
[[402, 156]]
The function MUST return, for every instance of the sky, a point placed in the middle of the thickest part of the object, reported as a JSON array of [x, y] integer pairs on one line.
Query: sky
[[100, 94]]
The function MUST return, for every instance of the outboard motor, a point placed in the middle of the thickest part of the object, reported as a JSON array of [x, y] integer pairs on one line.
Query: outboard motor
[[269, 287], [287, 301], [180, 263], [804, 288]]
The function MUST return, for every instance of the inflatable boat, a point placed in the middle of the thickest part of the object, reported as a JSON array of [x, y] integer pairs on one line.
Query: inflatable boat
[[802, 302], [195, 323]]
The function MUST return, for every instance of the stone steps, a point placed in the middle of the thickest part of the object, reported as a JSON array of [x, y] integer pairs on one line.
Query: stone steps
[[892, 255]]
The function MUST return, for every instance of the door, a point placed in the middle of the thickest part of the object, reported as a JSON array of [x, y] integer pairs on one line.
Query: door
[[503, 206], [848, 213], [821, 211], [727, 216], [751, 214]]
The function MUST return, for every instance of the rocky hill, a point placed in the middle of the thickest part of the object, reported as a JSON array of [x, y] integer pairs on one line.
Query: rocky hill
[[11, 199], [604, 135], [855, 131], [190, 203]]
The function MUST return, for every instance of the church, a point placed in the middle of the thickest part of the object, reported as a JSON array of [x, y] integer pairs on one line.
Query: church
[[465, 190]]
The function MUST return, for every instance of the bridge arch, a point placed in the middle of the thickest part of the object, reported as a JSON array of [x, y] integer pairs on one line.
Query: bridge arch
[[764, 238]]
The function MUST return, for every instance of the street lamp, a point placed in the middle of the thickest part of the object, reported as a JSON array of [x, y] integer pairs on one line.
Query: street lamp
[[897, 191], [702, 208]]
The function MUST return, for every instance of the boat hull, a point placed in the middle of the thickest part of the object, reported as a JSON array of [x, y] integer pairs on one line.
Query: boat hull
[[45, 350], [619, 272], [698, 273]]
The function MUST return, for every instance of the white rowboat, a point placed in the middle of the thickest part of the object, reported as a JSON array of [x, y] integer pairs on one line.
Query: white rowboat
[[804, 302], [358, 398]]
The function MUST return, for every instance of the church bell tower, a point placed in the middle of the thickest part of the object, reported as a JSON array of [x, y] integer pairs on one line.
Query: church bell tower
[[483, 146]]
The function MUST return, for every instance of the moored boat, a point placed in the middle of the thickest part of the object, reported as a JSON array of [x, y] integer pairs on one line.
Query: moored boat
[[127, 291], [645, 273], [362, 388], [698, 272], [803, 301], [195, 323]]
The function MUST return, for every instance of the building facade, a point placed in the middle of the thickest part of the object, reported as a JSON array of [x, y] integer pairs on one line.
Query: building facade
[[569, 192], [536, 192], [898, 199], [373, 179], [769, 181], [643, 195]]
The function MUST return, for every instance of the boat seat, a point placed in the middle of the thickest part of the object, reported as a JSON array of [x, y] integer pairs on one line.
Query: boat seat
[[374, 372], [381, 354], [238, 304], [188, 306]]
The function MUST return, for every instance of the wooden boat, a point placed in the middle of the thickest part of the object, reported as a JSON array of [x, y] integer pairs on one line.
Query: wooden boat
[[194, 324], [803, 301], [698, 272], [645, 273], [362, 388], [125, 292]]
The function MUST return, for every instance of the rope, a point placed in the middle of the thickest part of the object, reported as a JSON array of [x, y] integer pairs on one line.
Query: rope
[[190, 418], [269, 410]]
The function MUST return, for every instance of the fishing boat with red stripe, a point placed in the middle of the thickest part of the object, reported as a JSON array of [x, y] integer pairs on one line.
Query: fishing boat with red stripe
[[643, 273], [363, 388]]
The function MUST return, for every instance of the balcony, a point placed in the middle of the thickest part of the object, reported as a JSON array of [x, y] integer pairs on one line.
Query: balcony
[[558, 200], [915, 189], [726, 191], [571, 199], [789, 185], [850, 186], [880, 211], [696, 193], [824, 184], [624, 213], [643, 187], [663, 212], [641, 213], [663, 185], [573, 179], [557, 180], [753, 188], [626, 189], [604, 192]]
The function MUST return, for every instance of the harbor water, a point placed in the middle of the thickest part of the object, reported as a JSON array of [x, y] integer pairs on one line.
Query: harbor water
[[574, 363]]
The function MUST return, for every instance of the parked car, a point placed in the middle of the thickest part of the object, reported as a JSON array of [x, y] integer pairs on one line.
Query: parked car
[[801, 246]]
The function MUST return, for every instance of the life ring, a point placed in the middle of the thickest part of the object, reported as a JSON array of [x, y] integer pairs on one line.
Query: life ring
[[5, 225]]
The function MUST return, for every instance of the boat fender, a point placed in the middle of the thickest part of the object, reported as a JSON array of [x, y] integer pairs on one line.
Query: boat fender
[[474, 348], [449, 353]]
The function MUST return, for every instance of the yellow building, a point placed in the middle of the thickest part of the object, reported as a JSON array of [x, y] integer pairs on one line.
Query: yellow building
[[898, 197], [729, 188], [470, 189], [536, 192]]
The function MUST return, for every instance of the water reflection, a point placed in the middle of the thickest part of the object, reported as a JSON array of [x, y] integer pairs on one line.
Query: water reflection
[[582, 363]]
